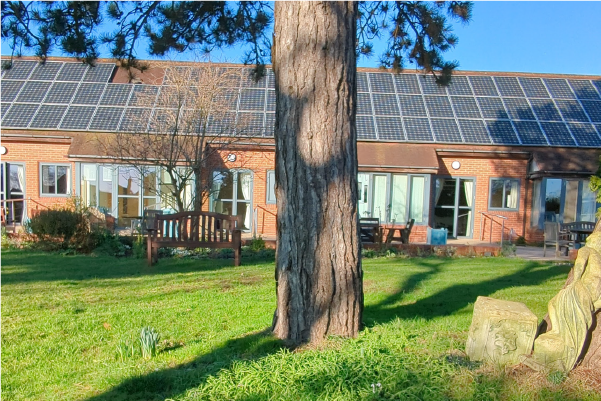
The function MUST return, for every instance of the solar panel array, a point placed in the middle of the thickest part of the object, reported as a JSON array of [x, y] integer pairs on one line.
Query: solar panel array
[[477, 109]]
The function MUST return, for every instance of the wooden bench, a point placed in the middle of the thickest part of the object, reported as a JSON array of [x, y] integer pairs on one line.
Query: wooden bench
[[370, 229], [404, 233], [193, 230]]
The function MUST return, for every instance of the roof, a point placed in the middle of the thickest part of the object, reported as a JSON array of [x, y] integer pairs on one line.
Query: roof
[[477, 108], [562, 162]]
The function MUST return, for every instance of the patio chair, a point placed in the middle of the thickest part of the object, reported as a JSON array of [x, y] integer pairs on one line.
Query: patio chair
[[557, 237]]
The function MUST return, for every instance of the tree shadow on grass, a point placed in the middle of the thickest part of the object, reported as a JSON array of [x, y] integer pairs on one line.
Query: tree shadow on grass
[[24, 266], [455, 297], [171, 382]]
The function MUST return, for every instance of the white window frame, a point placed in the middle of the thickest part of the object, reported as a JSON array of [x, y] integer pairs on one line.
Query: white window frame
[[69, 179], [270, 187]]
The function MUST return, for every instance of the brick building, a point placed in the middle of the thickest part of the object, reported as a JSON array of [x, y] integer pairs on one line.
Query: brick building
[[491, 149]]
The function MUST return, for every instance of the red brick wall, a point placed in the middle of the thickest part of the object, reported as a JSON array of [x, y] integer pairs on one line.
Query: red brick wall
[[31, 154]]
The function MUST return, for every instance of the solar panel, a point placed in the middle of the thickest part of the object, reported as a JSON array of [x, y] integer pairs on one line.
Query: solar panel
[[465, 107], [509, 86], [10, 89], [143, 96], [406, 83], [363, 103], [222, 125], [33, 92], [459, 86], [365, 127], [88, 94], [571, 110], [439, 106], [248, 80], [269, 124], [19, 70], [585, 134], [559, 88], [386, 105], [252, 99], [250, 124], [390, 129], [135, 120], [412, 105], [116, 94], [418, 129], [270, 79], [429, 85], [530, 133], [483, 86], [558, 134], [593, 109], [106, 118], [72, 72], [381, 82], [534, 87], [227, 99], [583, 89], [48, 116], [518, 109], [502, 132], [46, 71], [3, 109], [362, 85], [545, 110], [176, 74], [19, 115], [597, 83], [446, 130], [78, 117], [99, 73], [492, 107], [270, 100], [474, 131], [163, 120], [61, 92]]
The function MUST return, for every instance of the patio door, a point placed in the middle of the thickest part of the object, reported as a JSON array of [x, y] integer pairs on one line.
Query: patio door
[[13, 191], [232, 195], [454, 206]]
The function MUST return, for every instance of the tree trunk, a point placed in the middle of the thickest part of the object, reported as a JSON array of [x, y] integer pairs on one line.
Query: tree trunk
[[318, 266]]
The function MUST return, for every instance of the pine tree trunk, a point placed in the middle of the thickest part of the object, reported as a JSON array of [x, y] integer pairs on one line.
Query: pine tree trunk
[[318, 266]]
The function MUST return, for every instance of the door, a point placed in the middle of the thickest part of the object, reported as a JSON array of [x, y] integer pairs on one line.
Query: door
[[454, 206], [363, 180], [232, 195], [13, 191]]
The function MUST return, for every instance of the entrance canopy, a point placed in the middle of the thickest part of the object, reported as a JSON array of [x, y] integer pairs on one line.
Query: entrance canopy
[[397, 157]]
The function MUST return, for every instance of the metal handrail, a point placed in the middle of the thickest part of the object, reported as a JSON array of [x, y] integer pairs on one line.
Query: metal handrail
[[256, 218], [492, 219]]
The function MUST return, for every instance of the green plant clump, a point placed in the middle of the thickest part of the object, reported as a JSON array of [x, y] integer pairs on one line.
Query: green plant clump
[[149, 341]]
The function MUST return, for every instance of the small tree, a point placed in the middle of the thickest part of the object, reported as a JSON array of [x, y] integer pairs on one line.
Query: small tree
[[181, 127]]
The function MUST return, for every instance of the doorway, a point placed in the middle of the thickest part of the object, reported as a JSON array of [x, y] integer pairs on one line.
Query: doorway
[[454, 206], [232, 195]]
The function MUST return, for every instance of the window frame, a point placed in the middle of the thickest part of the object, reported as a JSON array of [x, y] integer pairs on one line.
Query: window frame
[[69, 180], [270, 183], [503, 208]]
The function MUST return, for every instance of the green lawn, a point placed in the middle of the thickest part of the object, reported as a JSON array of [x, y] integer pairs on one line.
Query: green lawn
[[63, 318]]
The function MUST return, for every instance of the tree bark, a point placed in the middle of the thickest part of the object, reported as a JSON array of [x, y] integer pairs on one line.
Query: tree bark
[[318, 267]]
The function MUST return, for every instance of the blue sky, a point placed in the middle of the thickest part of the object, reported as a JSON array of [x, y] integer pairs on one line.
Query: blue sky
[[543, 37]]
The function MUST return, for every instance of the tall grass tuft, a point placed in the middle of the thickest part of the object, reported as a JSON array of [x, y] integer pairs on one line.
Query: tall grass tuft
[[149, 340]]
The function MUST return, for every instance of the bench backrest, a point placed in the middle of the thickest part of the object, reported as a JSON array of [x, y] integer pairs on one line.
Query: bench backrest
[[579, 225], [195, 227], [369, 222]]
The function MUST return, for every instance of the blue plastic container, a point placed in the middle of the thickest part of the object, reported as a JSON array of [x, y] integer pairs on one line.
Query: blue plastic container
[[437, 236]]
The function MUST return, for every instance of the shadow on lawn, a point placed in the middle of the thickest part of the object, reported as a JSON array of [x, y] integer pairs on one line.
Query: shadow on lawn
[[23, 266], [455, 297], [171, 382]]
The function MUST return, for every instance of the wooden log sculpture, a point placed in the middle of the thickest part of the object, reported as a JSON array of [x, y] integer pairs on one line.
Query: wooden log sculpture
[[573, 334]]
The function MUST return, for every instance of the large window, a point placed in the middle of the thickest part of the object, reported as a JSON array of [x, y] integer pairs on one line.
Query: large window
[[13, 191], [232, 195], [504, 194], [394, 198], [55, 179], [562, 200], [270, 195]]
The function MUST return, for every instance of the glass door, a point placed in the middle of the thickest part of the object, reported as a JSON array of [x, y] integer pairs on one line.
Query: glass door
[[232, 195], [454, 206], [363, 180], [13, 190], [379, 205]]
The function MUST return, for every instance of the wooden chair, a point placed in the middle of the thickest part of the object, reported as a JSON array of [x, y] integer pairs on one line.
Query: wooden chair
[[404, 233], [557, 237]]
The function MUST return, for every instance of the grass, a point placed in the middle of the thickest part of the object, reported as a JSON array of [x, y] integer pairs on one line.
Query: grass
[[67, 323]]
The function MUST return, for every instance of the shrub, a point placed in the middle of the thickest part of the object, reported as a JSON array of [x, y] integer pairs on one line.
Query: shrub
[[58, 226], [257, 244]]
